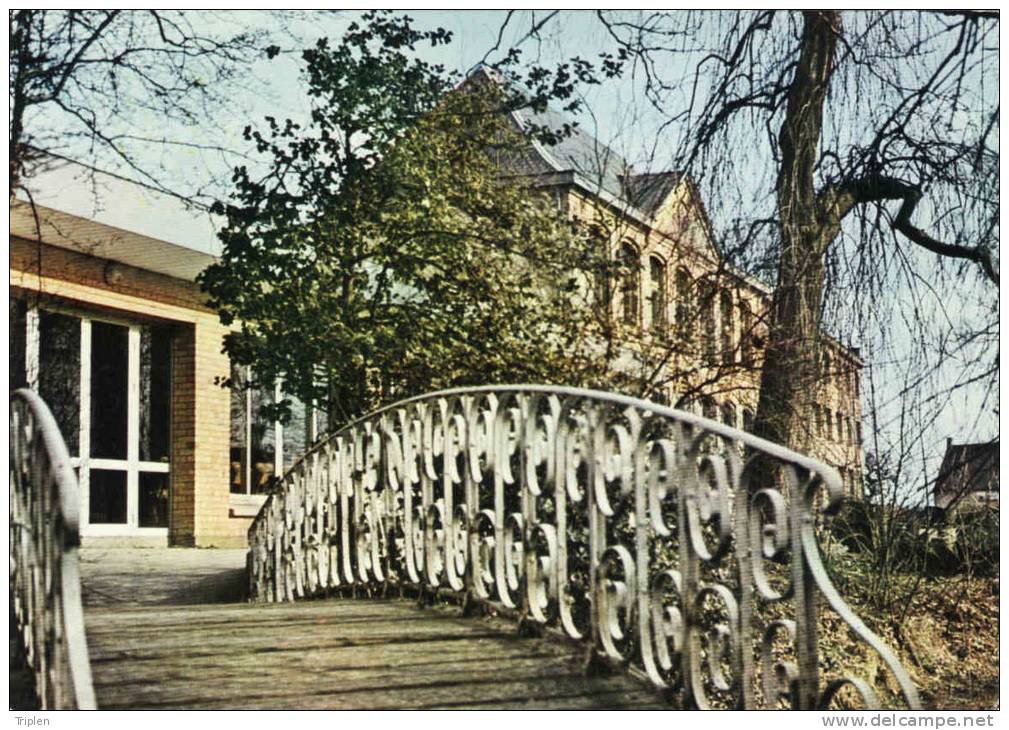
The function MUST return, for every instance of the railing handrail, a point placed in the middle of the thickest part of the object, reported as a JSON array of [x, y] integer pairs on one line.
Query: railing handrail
[[294, 525], [45, 514], [712, 426]]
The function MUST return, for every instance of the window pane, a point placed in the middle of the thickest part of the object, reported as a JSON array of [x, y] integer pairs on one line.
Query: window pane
[[657, 298], [263, 441], [155, 389], [107, 498], [728, 327], [295, 433], [109, 358], [708, 309], [60, 372], [684, 313], [18, 326], [238, 424], [153, 499], [630, 283]]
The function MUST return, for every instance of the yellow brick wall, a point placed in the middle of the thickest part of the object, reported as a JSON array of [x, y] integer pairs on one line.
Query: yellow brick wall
[[679, 238], [200, 410]]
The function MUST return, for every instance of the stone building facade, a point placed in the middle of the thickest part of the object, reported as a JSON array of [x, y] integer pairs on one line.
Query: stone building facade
[[687, 321]]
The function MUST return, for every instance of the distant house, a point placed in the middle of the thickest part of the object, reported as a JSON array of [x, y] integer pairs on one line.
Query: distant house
[[968, 476]]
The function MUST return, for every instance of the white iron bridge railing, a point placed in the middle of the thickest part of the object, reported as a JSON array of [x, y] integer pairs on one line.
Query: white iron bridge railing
[[45, 588], [646, 532]]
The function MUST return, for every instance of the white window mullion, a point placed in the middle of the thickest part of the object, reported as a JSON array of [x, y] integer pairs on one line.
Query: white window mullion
[[161, 467], [133, 428], [84, 435], [278, 433], [247, 451]]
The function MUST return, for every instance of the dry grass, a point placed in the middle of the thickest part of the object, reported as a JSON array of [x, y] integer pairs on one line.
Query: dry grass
[[945, 632]]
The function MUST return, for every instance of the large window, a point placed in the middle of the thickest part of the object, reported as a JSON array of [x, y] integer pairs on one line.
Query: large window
[[108, 390], [108, 384], [728, 327], [684, 307], [59, 374], [263, 448], [630, 284], [603, 278], [657, 294], [746, 334], [708, 315]]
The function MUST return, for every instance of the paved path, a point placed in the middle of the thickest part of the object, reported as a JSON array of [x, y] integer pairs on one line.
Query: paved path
[[161, 576], [158, 639]]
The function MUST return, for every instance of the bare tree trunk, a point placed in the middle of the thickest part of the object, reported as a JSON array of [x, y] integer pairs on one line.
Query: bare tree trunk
[[789, 376], [19, 49]]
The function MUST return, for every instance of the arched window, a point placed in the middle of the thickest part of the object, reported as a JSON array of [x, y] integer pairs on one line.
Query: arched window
[[630, 284], [729, 414], [840, 427], [747, 420], [708, 315], [599, 245], [708, 408], [684, 306], [657, 293], [728, 326], [746, 334]]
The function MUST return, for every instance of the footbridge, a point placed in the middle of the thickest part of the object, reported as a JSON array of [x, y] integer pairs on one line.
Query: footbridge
[[491, 547]]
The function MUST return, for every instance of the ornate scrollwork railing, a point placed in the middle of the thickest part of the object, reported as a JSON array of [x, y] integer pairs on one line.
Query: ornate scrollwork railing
[[45, 583], [641, 529]]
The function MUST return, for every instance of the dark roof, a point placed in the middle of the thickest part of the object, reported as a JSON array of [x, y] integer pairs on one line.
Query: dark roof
[[579, 151], [600, 166], [967, 468], [649, 190]]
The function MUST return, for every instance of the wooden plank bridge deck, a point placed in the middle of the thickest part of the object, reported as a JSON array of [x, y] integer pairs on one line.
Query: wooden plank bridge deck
[[152, 650]]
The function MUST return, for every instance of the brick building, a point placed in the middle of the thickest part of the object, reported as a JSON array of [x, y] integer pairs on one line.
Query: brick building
[[109, 326], [685, 319]]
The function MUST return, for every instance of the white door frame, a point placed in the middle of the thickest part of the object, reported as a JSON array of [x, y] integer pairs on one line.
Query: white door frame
[[84, 462]]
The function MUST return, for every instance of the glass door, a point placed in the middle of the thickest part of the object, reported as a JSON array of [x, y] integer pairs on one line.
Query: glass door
[[108, 384], [124, 466]]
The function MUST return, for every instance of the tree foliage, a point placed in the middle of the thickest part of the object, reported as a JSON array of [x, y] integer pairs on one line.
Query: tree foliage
[[382, 255]]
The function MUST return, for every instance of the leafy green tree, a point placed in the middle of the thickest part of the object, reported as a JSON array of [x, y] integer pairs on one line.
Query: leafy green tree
[[384, 254]]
